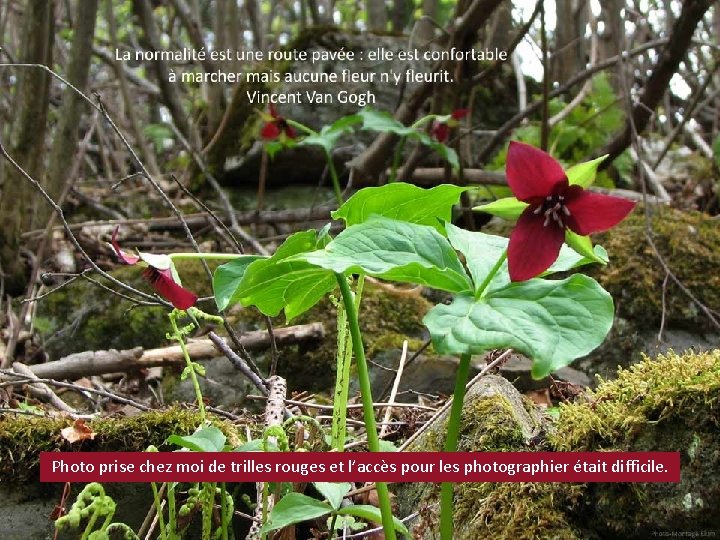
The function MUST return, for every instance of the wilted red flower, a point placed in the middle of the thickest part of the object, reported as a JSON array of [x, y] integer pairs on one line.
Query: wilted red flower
[[276, 125], [441, 130], [554, 206], [161, 279]]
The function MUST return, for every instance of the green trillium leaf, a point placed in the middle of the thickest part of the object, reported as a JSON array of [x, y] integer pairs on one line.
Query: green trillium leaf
[[552, 322], [443, 150], [508, 208], [329, 135], [334, 492], [482, 251], [227, 277], [583, 174], [396, 251], [372, 513], [207, 439], [385, 123], [402, 201], [294, 508], [285, 282]]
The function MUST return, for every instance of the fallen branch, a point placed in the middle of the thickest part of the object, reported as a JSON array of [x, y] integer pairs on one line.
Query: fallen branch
[[41, 390], [199, 220], [89, 363]]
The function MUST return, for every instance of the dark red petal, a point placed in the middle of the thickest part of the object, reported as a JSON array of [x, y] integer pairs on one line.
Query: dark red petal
[[165, 286], [270, 131], [273, 111], [594, 212], [459, 114], [127, 259], [531, 172], [533, 247], [440, 131], [290, 131]]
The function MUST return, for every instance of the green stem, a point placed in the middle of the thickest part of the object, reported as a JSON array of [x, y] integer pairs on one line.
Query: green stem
[[481, 289], [367, 402], [396, 160], [172, 521], [334, 177], [158, 510], [190, 367], [301, 127], [208, 498], [342, 381], [205, 256], [424, 120], [451, 443], [224, 512]]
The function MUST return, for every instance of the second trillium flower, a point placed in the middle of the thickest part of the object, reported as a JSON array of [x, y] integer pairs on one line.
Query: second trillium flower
[[276, 126], [555, 209], [160, 273], [441, 127]]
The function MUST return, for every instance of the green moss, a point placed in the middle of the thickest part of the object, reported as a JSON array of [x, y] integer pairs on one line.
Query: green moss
[[646, 394], [499, 510], [498, 431], [22, 438], [516, 511], [528, 510], [689, 243], [668, 404]]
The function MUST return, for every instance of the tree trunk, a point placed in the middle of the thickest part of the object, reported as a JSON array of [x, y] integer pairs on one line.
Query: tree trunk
[[376, 15], [570, 51], [611, 38], [28, 140], [401, 13], [657, 84], [430, 8], [168, 90], [66, 135]]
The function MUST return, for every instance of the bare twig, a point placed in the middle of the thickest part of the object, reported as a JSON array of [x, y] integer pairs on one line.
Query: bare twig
[[239, 363], [18, 378], [504, 130], [394, 390], [58, 210], [41, 390]]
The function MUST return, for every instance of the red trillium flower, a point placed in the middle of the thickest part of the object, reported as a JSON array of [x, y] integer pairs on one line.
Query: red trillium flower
[[441, 130], [276, 125], [554, 206], [159, 274]]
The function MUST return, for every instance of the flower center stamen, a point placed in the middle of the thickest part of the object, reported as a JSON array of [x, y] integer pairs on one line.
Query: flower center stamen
[[553, 208]]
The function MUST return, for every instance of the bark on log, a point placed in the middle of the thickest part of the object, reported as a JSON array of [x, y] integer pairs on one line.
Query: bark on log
[[89, 363], [202, 219]]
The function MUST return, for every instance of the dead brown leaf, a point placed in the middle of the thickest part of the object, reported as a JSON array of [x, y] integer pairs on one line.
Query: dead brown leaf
[[77, 432]]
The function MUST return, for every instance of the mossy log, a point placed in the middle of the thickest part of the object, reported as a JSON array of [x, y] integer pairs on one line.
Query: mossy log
[[23, 437], [670, 403]]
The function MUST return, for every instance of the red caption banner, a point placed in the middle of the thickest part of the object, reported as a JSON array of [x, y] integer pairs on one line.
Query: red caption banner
[[360, 467]]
